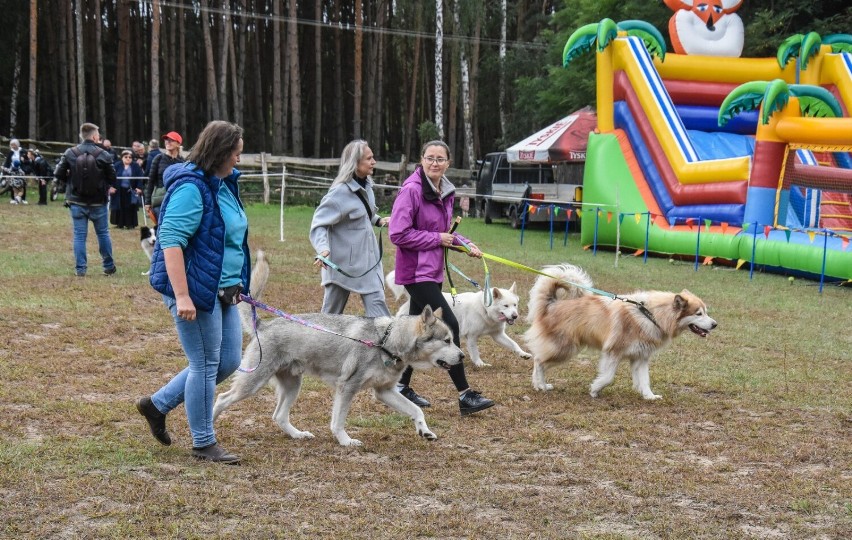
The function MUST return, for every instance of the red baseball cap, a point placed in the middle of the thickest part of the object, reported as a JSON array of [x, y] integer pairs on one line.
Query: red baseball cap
[[175, 136]]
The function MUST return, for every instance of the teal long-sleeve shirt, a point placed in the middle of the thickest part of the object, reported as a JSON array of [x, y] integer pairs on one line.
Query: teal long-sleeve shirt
[[184, 216]]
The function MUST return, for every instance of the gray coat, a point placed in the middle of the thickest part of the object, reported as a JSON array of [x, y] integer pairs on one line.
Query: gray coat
[[342, 226]]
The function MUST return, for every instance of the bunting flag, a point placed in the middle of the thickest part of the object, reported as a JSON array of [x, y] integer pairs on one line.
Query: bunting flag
[[609, 217], [556, 211], [745, 226], [740, 262], [639, 252], [708, 261], [844, 241], [600, 212], [724, 227], [812, 236], [689, 222], [579, 213], [672, 222], [533, 209], [787, 233], [548, 210], [568, 213], [707, 223], [766, 230], [637, 217], [621, 218]]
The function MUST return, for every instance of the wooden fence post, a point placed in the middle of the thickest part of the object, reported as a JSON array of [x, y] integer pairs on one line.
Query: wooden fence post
[[265, 178]]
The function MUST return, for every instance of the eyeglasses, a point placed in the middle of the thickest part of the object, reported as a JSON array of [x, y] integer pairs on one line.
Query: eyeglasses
[[432, 160]]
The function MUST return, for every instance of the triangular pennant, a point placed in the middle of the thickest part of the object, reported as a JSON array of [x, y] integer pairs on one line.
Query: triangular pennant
[[766, 230], [568, 213], [787, 233], [579, 213], [600, 212], [844, 241], [555, 211], [707, 223], [609, 217], [724, 227], [639, 251], [745, 226], [740, 262], [621, 218], [812, 236], [672, 221], [548, 210], [689, 222], [533, 209], [637, 217]]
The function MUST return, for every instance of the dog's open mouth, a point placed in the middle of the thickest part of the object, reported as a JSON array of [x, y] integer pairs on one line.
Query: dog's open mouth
[[443, 364], [698, 330]]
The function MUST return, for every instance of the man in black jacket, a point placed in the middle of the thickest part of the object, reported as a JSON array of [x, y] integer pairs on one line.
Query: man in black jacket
[[41, 170], [85, 205]]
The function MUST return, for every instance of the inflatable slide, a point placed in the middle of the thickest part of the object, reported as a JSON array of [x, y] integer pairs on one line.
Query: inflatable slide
[[678, 166]]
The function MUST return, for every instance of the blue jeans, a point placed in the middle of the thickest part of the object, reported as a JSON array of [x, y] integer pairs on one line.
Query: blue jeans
[[213, 345], [99, 216]]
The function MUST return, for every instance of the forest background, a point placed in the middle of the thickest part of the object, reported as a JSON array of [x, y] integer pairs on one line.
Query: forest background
[[305, 77]]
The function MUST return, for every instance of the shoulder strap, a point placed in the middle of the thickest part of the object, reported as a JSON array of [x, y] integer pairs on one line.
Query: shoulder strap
[[366, 204]]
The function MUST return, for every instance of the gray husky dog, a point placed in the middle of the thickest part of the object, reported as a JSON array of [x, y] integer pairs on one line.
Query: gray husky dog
[[284, 351]]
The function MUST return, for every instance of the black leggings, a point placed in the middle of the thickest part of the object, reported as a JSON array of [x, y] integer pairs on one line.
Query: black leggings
[[428, 293]]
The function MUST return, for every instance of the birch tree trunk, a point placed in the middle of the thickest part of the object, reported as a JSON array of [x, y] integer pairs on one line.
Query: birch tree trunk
[[359, 55], [295, 80], [212, 92], [439, 64], [465, 81], [502, 55], [277, 105], [32, 130], [155, 68], [81, 66], [13, 98]]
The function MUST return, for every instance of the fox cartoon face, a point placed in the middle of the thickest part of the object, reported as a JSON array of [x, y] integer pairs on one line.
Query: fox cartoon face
[[706, 27]]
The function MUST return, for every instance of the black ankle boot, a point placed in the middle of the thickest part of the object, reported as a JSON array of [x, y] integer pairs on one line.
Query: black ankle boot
[[156, 420]]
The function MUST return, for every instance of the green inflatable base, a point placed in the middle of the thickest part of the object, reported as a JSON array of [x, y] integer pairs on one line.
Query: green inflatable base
[[609, 186]]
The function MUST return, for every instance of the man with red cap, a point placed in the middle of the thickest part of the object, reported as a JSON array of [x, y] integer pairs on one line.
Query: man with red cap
[[154, 190]]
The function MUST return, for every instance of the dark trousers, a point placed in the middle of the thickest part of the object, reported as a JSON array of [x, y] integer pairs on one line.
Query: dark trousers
[[428, 293]]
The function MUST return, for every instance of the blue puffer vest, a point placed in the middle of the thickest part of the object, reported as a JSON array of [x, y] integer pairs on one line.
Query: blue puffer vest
[[204, 254]]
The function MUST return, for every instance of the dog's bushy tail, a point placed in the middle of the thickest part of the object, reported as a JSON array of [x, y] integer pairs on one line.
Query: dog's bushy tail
[[259, 279], [557, 287], [399, 292]]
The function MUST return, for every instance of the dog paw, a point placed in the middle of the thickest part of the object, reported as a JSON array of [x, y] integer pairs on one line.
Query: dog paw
[[525, 355], [480, 363], [651, 397], [302, 435], [543, 387], [426, 434], [595, 393], [351, 442]]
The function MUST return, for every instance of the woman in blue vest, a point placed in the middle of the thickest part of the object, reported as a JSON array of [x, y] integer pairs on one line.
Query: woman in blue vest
[[200, 266]]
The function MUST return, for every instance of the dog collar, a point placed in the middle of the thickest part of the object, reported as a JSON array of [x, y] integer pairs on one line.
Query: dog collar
[[394, 359], [642, 309]]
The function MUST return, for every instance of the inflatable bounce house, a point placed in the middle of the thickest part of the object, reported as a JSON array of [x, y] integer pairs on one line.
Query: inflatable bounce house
[[704, 154]]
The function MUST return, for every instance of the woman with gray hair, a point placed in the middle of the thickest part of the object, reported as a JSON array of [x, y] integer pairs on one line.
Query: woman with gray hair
[[343, 238]]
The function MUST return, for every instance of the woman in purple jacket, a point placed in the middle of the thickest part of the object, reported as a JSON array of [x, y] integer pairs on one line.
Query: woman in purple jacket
[[421, 218]]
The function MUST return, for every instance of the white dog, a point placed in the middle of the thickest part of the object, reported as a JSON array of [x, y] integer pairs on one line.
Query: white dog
[[475, 318]]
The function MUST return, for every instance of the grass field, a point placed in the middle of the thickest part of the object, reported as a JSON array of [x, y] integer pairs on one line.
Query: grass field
[[752, 439]]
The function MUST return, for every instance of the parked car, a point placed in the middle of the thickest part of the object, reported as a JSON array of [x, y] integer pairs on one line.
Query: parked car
[[503, 189]]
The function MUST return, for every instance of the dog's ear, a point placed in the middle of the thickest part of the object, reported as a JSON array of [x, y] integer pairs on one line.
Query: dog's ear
[[428, 316], [512, 288], [495, 292], [680, 302], [439, 313]]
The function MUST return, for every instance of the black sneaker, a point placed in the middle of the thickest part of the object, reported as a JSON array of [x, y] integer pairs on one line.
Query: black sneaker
[[156, 420], [413, 397], [215, 454], [472, 401], [110, 271]]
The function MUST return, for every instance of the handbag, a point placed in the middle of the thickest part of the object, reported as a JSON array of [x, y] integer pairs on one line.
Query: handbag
[[134, 198], [157, 196]]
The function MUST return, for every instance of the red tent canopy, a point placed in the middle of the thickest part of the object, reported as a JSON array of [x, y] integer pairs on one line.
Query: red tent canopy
[[564, 140]]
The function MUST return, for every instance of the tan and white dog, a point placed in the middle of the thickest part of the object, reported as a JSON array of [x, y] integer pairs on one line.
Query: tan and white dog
[[565, 318], [477, 319]]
